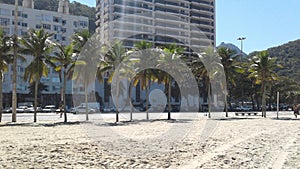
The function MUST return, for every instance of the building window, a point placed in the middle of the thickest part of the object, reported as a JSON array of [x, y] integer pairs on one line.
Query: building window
[[4, 21], [57, 37], [83, 23], [13, 22], [57, 28], [64, 22], [38, 26], [75, 24], [55, 80], [5, 78], [57, 19], [4, 11], [47, 26], [24, 24], [47, 18], [13, 13], [24, 15]]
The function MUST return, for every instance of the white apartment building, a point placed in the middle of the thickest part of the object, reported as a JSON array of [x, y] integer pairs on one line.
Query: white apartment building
[[61, 23], [187, 23], [190, 23]]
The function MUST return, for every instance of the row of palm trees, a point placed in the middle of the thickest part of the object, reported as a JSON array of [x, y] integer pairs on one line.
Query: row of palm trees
[[259, 71], [64, 59], [44, 53]]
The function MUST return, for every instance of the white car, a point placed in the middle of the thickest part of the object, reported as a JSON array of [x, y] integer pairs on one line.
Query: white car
[[49, 108], [22, 109], [31, 109], [81, 109]]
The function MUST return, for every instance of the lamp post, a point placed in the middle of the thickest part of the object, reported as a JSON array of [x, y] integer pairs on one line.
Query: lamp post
[[241, 39]]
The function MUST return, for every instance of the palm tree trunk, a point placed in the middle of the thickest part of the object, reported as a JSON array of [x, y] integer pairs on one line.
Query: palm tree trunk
[[169, 97], [86, 102], [147, 100], [36, 83], [117, 101], [131, 105], [64, 96], [1, 96], [14, 90], [226, 105], [209, 101], [61, 92], [264, 93]]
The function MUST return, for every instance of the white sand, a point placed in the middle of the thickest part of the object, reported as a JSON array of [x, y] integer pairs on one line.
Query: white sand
[[234, 142]]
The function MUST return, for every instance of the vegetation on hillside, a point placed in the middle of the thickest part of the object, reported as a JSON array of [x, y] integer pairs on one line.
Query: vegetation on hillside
[[288, 55]]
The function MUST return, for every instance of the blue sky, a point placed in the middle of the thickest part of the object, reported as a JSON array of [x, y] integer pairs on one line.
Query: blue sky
[[264, 23]]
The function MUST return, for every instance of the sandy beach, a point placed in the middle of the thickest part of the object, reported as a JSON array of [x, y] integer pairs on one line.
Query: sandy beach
[[186, 142]]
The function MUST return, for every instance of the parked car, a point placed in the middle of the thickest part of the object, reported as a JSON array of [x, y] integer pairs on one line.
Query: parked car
[[7, 110], [31, 109], [81, 109], [49, 108], [22, 109], [243, 108], [93, 105], [109, 109]]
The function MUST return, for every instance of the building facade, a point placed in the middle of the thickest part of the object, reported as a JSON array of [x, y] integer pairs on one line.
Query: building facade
[[60, 23], [190, 23], [186, 23]]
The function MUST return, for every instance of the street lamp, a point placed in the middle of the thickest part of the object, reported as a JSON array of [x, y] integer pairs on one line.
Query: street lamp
[[241, 39]]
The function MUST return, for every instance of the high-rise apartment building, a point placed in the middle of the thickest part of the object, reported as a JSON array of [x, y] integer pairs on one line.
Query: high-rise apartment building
[[187, 23], [60, 23], [190, 23]]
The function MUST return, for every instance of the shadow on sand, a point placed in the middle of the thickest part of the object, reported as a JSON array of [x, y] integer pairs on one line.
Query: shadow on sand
[[127, 123], [40, 124], [287, 119], [100, 123], [255, 118], [235, 118]]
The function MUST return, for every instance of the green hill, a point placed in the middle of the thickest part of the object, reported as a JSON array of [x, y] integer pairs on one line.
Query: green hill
[[288, 55], [76, 8]]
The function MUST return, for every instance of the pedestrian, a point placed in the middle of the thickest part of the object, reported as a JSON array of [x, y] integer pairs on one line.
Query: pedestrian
[[296, 109]]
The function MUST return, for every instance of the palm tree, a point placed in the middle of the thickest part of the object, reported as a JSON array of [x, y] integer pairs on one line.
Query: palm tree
[[170, 53], [114, 57], [37, 44], [64, 63], [230, 69], [5, 46], [144, 78], [205, 68], [79, 40], [41, 87], [262, 69], [88, 62]]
